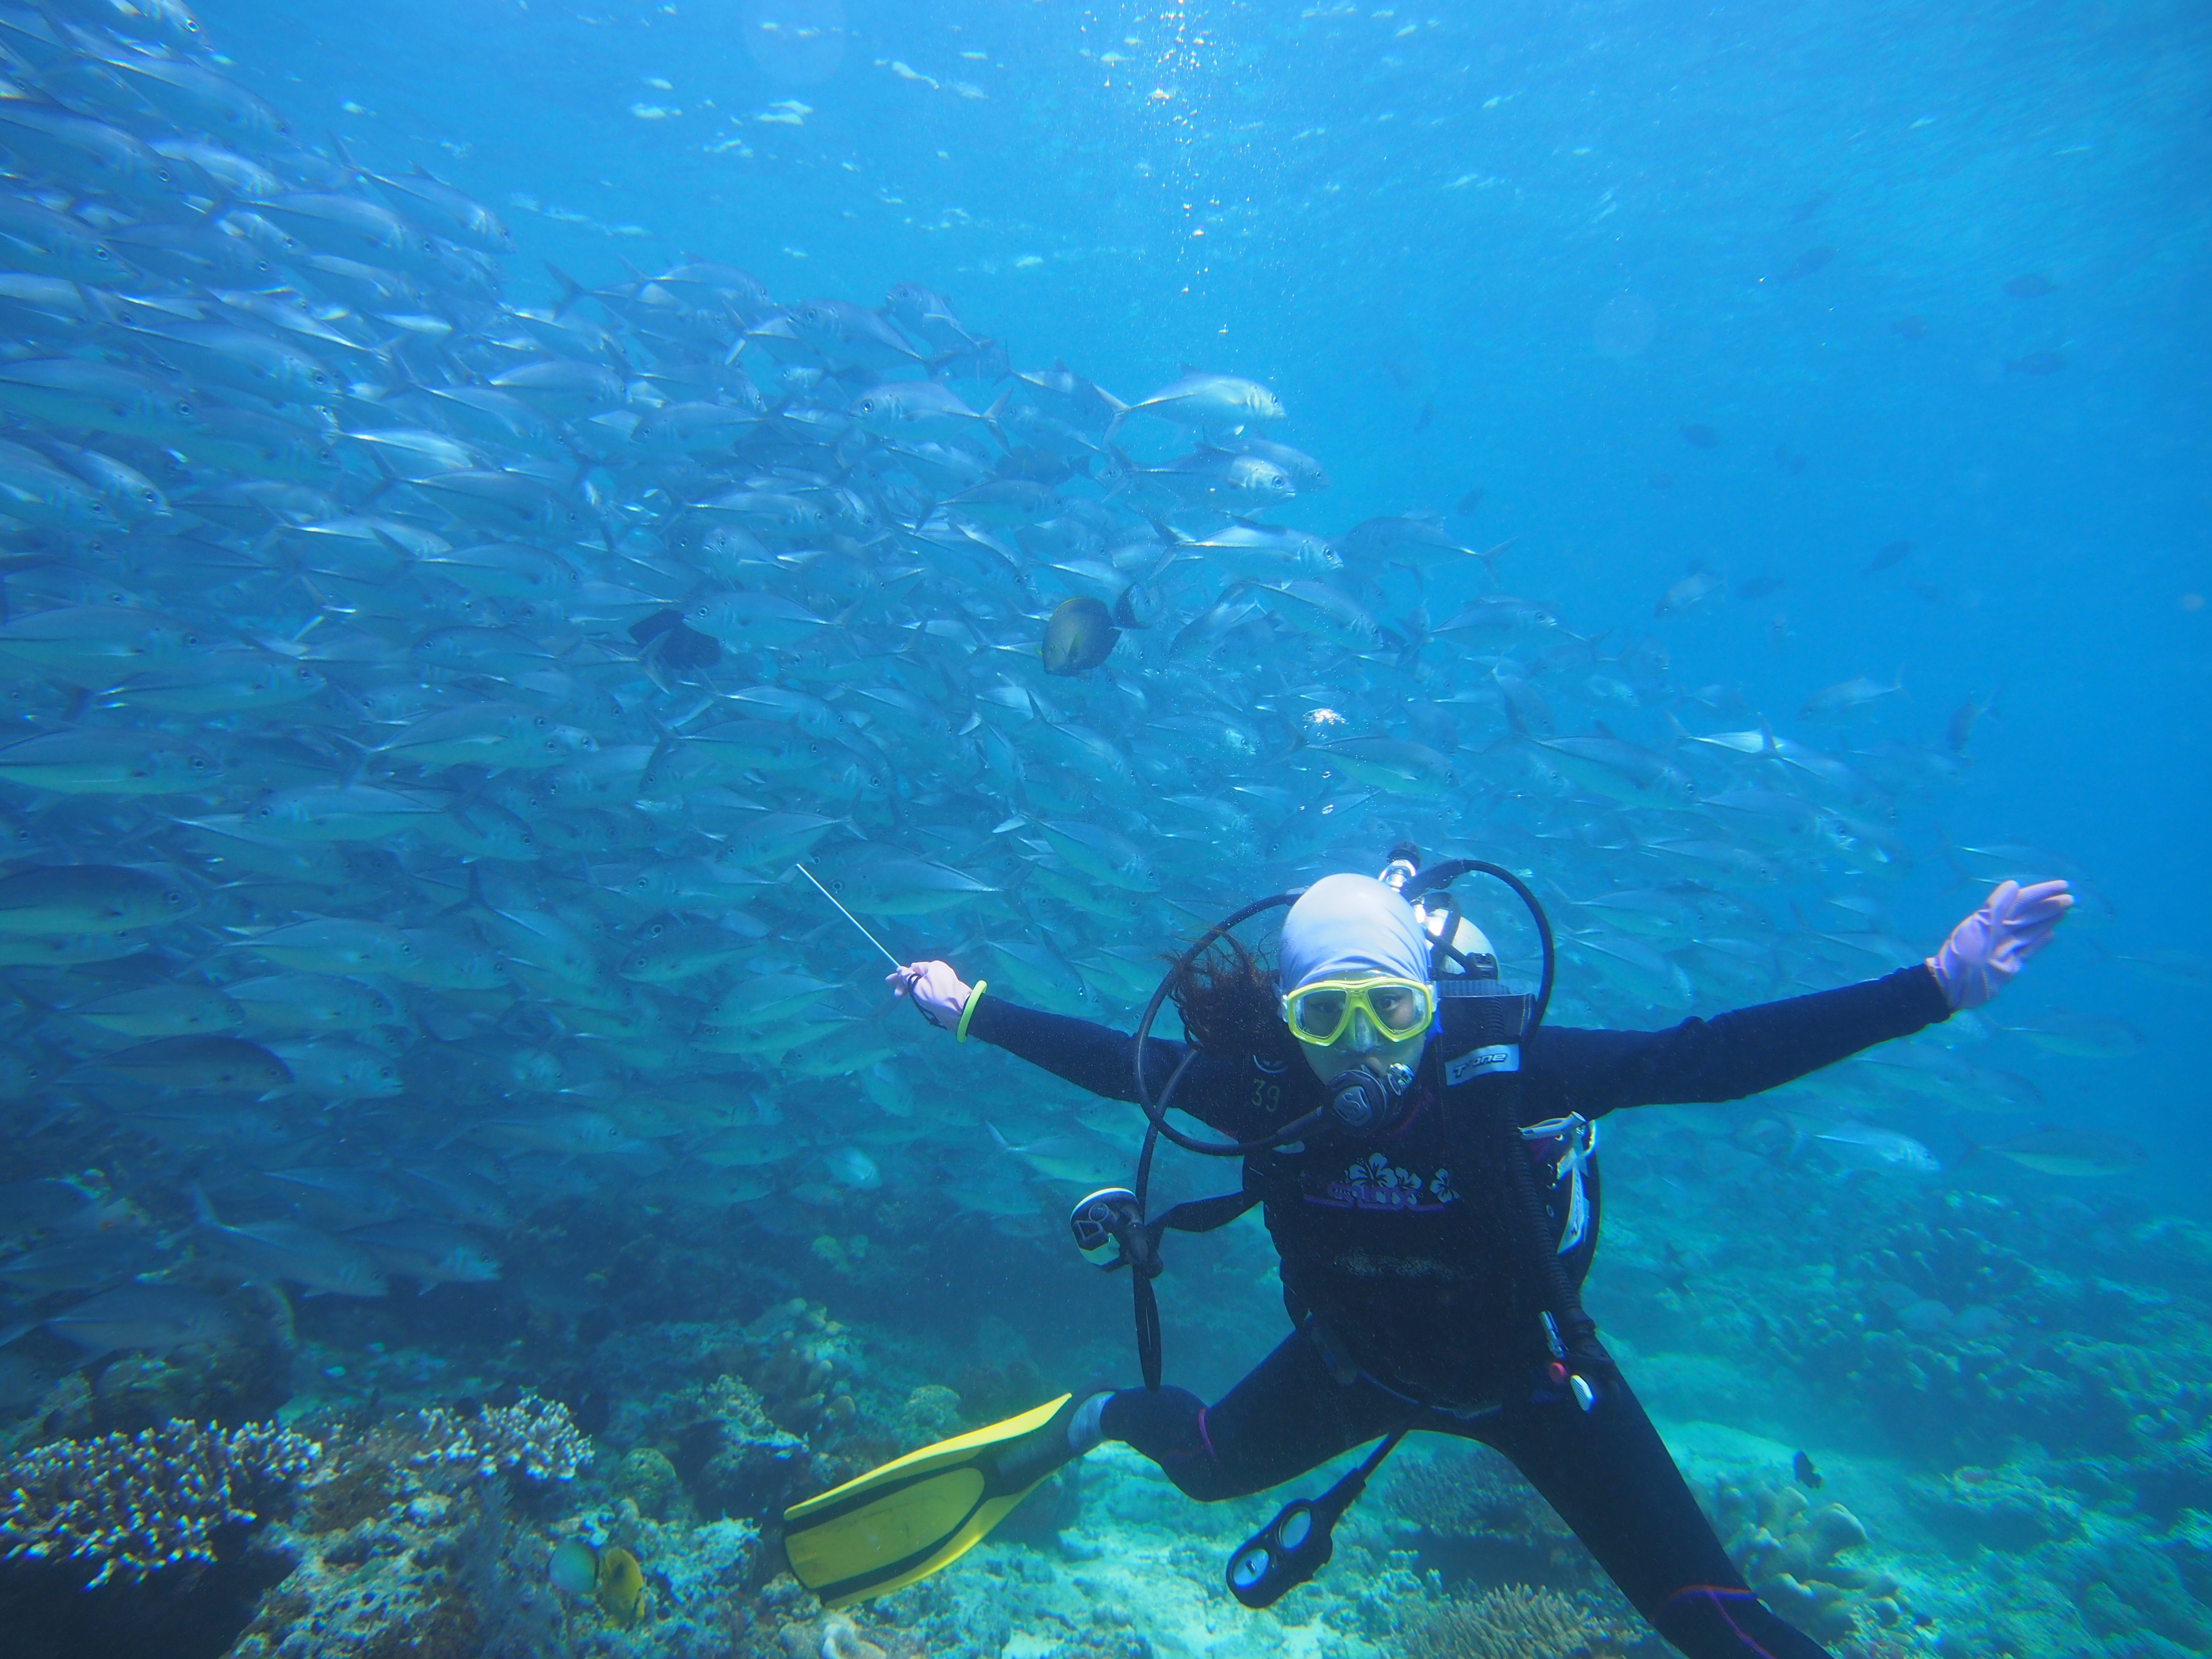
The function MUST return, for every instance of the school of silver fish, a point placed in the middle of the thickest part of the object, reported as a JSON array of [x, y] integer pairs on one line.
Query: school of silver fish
[[418, 704]]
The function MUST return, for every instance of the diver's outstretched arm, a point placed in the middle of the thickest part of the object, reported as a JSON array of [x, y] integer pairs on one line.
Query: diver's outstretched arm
[[1753, 1049], [1730, 1056], [1103, 1060], [1090, 1055]]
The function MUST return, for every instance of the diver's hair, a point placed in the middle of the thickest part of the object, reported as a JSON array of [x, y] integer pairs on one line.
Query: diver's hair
[[1229, 1004]]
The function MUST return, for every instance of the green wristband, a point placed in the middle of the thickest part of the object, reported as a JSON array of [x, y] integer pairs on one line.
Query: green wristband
[[960, 1033]]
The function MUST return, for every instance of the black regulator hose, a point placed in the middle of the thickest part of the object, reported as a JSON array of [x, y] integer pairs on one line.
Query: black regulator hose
[[1156, 1111], [1442, 875]]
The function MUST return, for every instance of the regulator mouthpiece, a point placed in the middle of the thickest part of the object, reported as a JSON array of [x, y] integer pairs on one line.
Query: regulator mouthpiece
[[1359, 1098]]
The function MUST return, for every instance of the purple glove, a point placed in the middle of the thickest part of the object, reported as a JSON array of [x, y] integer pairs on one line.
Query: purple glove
[[940, 994], [1986, 949]]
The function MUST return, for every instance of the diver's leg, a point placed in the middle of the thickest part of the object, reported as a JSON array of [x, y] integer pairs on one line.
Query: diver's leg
[[1288, 1416], [1609, 1475]]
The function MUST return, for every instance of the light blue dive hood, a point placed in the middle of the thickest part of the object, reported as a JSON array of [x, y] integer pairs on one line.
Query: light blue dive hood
[[1344, 925]]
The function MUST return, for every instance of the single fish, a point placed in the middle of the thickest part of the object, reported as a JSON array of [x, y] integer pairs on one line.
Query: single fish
[[1847, 696], [1864, 1146], [1204, 400], [2073, 1154], [1080, 636], [158, 1318]]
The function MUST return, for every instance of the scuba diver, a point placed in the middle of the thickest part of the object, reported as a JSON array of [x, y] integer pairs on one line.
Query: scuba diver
[[1424, 1148]]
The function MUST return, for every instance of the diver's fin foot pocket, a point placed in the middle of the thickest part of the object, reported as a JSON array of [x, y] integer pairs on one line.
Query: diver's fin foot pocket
[[899, 1523]]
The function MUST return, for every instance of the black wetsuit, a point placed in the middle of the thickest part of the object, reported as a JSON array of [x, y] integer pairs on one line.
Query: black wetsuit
[[1400, 1301]]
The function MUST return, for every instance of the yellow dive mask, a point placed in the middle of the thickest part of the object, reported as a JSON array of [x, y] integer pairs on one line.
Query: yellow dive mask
[[1322, 1012]]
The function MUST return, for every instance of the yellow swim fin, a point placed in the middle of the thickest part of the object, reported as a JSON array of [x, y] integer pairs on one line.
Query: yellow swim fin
[[893, 1525]]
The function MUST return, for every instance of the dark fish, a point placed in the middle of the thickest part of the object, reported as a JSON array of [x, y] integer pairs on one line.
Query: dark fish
[[81, 1264], [1080, 636], [1698, 436], [1468, 503], [207, 1064], [1660, 480], [663, 638], [34, 1206], [1759, 588], [1687, 594], [155, 1317], [1892, 553], [2076, 1153], [2033, 286], [1428, 414], [1812, 259], [1809, 207], [1912, 328], [2035, 363], [1789, 460], [1808, 1476], [1964, 718]]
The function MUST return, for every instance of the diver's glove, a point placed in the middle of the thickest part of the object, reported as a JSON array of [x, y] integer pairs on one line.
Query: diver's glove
[[1986, 950], [941, 994]]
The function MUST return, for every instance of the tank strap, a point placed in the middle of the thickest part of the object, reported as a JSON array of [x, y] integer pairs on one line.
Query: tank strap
[[1480, 1066]]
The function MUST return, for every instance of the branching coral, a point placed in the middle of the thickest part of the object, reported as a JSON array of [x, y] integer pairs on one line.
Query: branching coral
[[1450, 1493], [1511, 1622], [533, 1434], [135, 1503]]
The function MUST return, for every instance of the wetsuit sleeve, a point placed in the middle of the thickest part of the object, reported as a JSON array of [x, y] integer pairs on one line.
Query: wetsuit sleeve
[[1103, 1060], [1727, 1057]]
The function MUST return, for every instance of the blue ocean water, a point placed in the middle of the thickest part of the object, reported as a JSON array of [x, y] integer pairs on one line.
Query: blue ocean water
[[1765, 455], [1567, 235]]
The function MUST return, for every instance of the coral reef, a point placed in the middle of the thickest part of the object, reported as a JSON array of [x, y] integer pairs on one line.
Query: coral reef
[[2009, 1509], [842, 1639], [536, 1436], [1786, 1550], [733, 1460], [2128, 1586], [132, 1504], [647, 1479], [932, 1413], [454, 1570], [800, 1361], [2056, 1453], [1513, 1622], [1468, 1512]]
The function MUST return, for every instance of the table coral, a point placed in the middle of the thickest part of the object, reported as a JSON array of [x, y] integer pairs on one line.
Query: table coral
[[137, 1503]]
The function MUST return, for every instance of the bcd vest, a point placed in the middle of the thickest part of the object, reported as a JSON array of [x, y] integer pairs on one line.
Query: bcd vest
[[1409, 1250]]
